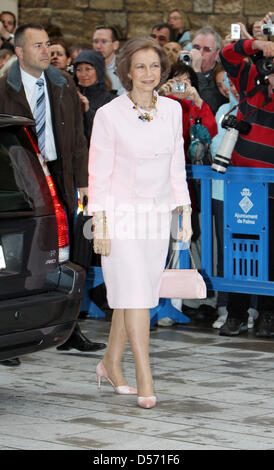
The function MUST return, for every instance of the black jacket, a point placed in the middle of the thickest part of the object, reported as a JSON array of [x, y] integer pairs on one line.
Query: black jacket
[[72, 162], [209, 91], [97, 94]]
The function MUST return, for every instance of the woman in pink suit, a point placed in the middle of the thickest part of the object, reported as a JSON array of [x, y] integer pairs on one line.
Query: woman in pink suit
[[136, 178]]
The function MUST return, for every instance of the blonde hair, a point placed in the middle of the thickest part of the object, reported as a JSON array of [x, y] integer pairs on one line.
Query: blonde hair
[[138, 43]]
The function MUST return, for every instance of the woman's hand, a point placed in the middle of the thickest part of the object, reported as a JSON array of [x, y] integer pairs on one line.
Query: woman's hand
[[84, 102], [268, 17], [244, 33], [166, 88], [101, 240], [192, 94], [185, 231], [101, 246], [257, 26], [190, 91]]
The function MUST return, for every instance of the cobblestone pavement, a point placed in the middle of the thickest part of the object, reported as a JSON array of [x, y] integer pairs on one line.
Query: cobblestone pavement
[[213, 393]]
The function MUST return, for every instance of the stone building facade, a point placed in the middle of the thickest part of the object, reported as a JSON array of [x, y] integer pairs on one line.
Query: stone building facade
[[77, 18]]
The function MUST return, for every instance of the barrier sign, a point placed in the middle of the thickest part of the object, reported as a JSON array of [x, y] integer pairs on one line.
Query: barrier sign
[[246, 208]]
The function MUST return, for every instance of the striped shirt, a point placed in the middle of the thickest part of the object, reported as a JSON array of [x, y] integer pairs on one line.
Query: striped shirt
[[255, 149]]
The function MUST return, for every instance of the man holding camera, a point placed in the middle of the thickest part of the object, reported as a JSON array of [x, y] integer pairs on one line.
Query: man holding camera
[[206, 46], [255, 84]]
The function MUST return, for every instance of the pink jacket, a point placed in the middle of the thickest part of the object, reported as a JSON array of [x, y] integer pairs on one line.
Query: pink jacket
[[133, 162]]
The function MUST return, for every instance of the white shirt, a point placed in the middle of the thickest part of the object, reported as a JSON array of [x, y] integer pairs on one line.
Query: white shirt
[[116, 84], [31, 91]]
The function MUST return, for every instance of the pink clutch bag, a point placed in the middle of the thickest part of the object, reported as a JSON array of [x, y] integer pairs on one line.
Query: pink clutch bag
[[182, 284]]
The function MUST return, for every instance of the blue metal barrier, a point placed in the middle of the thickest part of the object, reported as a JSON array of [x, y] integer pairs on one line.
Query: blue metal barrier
[[245, 238], [245, 229]]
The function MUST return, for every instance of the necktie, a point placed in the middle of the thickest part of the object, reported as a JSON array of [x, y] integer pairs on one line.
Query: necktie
[[40, 115]]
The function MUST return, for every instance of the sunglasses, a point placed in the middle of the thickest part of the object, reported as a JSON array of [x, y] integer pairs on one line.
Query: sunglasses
[[206, 48]]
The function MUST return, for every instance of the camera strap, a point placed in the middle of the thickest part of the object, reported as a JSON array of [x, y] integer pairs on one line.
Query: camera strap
[[260, 85]]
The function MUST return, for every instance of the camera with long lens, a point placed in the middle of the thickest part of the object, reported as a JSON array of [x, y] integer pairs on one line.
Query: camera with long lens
[[233, 129], [185, 58]]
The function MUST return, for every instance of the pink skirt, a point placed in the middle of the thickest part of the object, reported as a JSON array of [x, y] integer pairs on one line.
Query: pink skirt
[[139, 246]]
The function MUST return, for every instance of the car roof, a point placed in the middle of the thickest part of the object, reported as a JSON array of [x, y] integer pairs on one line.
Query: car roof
[[10, 120]]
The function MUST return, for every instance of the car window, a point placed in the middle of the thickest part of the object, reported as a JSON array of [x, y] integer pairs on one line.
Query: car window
[[21, 179]]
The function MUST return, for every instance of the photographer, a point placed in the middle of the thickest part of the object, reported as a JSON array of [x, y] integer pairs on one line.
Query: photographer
[[192, 104], [204, 54], [253, 150]]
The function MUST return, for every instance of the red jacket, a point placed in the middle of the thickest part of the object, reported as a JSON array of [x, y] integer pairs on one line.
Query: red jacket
[[190, 112], [256, 148]]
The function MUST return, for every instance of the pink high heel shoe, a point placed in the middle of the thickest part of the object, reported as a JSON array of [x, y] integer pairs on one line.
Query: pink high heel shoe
[[146, 402], [121, 389]]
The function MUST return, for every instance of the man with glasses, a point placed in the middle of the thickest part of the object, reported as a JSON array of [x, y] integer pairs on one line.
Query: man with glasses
[[161, 33], [206, 46], [106, 41], [7, 29]]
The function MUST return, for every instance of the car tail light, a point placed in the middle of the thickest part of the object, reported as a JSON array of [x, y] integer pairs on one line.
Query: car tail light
[[61, 216], [62, 223]]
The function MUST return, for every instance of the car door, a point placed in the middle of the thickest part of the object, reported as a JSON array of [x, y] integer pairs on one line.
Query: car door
[[28, 229]]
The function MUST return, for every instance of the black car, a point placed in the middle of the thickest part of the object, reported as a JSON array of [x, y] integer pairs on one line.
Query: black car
[[40, 289]]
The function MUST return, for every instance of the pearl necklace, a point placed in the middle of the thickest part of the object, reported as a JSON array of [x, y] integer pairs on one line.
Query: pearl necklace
[[145, 116]]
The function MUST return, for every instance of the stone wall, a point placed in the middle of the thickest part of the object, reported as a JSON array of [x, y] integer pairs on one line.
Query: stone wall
[[78, 18]]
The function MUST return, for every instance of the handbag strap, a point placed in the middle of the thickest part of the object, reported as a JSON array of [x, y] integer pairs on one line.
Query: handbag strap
[[192, 262]]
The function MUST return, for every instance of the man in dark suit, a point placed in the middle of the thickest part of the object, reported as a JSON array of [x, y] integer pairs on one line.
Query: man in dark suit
[[65, 149]]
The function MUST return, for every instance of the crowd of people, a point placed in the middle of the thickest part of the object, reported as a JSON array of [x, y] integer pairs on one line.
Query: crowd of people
[[137, 156]]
